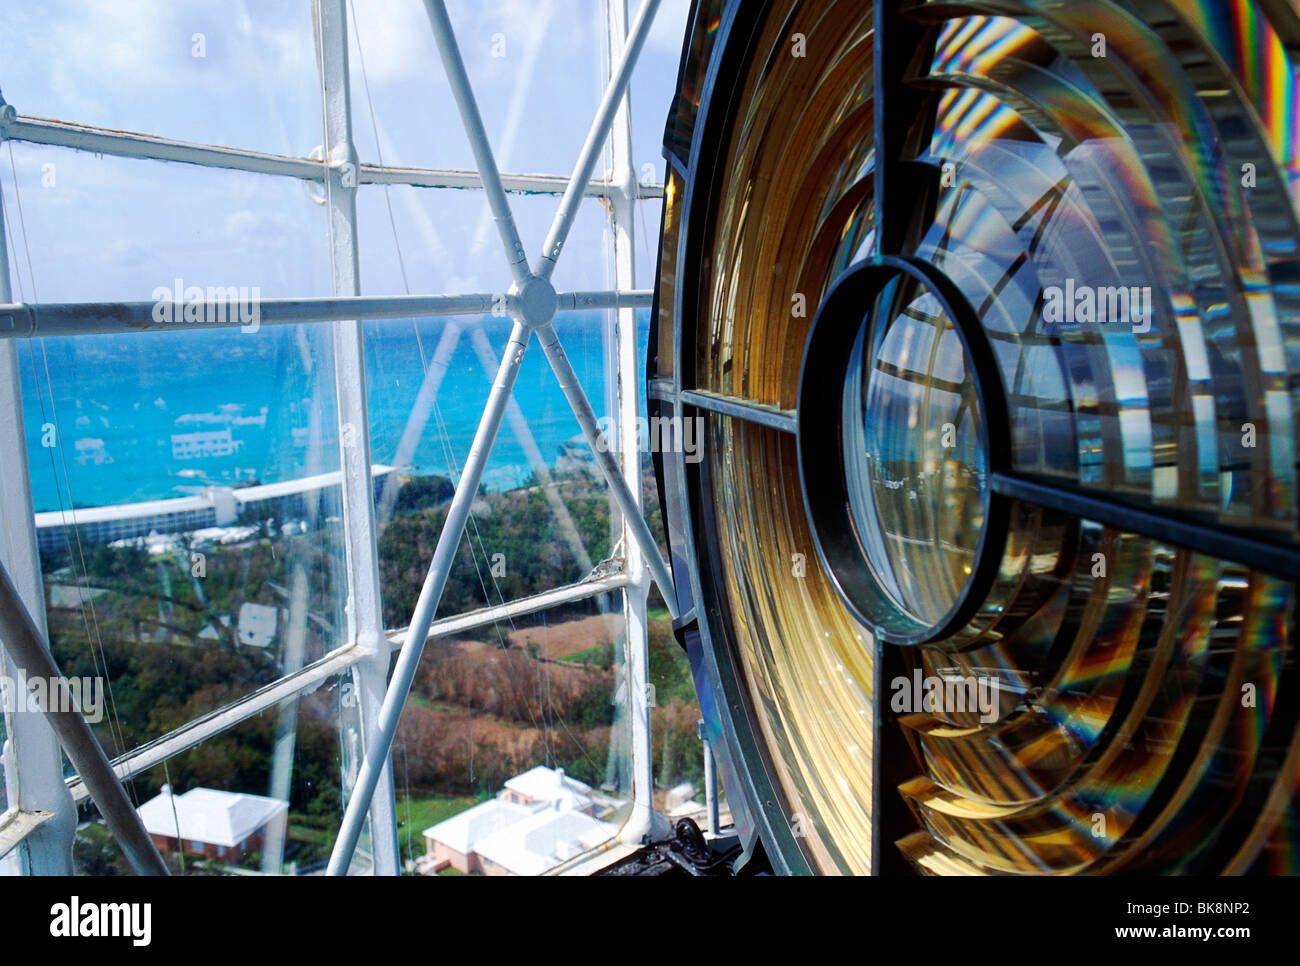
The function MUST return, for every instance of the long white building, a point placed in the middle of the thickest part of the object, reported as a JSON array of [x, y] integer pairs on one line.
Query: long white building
[[216, 506]]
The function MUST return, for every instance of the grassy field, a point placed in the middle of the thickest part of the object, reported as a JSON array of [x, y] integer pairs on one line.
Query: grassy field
[[593, 655], [433, 706], [418, 812]]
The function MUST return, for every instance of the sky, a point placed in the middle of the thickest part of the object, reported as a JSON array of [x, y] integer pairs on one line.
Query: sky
[[244, 73]]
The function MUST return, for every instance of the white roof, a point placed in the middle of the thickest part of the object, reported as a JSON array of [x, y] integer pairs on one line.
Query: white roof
[[305, 484], [527, 839], [543, 840], [149, 508], [208, 815], [464, 830], [119, 511], [542, 784]]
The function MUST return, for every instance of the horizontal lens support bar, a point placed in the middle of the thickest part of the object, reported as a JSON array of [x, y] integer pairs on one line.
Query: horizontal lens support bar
[[1257, 551], [748, 410]]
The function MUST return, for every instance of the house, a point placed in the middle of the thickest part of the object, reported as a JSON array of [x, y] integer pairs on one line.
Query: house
[[538, 820], [541, 841], [215, 824], [453, 841], [548, 785]]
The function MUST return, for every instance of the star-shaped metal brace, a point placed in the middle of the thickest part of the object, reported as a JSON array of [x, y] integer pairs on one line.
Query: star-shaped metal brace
[[532, 306]]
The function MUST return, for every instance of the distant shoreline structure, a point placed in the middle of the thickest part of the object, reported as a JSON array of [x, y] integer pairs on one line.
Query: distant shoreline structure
[[216, 506], [222, 506]]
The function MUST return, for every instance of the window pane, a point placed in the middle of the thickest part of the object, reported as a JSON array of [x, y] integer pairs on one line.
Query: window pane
[[84, 227], [443, 240], [187, 521], [654, 81], [263, 796], [242, 74], [511, 756], [522, 59], [544, 517], [674, 714]]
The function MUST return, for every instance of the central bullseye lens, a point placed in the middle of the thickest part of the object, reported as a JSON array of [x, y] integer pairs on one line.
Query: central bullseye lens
[[918, 487], [891, 388]]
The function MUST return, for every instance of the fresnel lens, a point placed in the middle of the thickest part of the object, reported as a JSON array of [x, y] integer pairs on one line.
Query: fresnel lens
[[991, 313]]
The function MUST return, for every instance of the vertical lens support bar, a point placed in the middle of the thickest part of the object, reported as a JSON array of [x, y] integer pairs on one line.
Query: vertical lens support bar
[[902, 189]]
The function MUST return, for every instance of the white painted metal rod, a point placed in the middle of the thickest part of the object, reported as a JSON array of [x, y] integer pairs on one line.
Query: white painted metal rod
[[247, 310], [579, 301], [128, 144], [524, 184], [224, 718], [151, 147], [454, 65], [20, 320], [444, 556], [711, 790], [30, 656], [16, 826], [591, 149], [600, 448], [460, 623]]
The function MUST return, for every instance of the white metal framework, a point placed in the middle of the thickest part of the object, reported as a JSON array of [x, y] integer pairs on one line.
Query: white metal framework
[[38, 828]]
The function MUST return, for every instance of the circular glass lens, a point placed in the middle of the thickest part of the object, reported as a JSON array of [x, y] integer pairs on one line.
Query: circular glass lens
[[913, 455]]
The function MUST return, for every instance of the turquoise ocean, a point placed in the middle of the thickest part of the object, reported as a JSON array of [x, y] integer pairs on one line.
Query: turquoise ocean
[[125, 418]]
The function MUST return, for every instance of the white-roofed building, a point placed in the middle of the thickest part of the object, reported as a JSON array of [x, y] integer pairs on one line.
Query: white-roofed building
[[541, 841], [212, 510], [452, 841], [540, 819], [542, 785], [209, 822]]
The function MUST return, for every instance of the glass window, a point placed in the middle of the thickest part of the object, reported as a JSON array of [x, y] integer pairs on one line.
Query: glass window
[[186, 484], [510, 53], [277, 777], [243, 75], [512, 753], [188, 523]]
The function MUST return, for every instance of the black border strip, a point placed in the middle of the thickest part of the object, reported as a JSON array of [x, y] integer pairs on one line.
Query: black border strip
[[1253, 550]]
